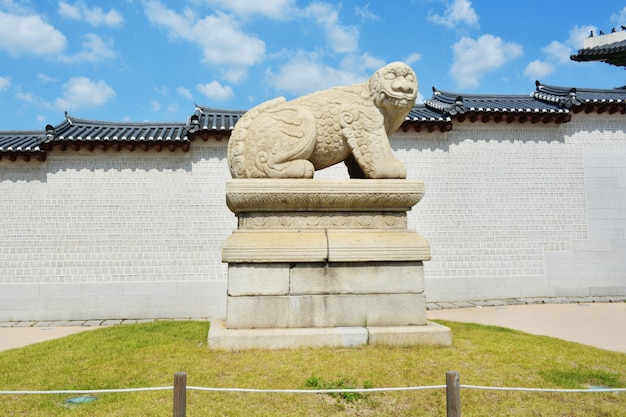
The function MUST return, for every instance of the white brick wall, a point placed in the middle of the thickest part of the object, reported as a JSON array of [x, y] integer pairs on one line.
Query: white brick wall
[[597, 265], [510, 211], [506, 205], [143, 229]]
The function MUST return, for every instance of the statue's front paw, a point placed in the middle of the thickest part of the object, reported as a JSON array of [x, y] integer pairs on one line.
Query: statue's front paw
[[300, 168]]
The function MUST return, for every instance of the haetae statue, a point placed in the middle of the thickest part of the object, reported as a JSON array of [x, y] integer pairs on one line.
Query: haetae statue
[[292, 139]]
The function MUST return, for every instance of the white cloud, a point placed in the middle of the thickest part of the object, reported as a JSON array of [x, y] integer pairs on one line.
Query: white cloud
[[163, 90], [32, 99], [365, 13], [473, 58], [341, 39], [95, 49], [305, 73], [216, 91], [15, 6], [185, 93], [361, 64], [619, 18], [274, 9], [537, 69], [155, 105], [459, 12], [412, 58], [29, 35], [95, 16], [45, 78], [577, 36], [81, 92], [223, 42], [420, 98], [68, 11], [5, 83], [558, 53]]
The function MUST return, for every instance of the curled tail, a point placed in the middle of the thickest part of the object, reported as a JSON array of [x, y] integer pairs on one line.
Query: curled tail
[[237, 143]]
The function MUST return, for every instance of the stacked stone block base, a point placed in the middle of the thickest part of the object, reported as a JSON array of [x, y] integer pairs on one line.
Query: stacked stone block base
[[223, 338], [324, 263], [326, 295]]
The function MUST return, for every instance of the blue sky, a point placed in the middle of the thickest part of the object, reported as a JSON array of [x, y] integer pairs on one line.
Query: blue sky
[[153, 60]]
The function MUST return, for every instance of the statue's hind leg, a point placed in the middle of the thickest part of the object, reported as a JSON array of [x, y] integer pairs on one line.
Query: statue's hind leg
[[299, 168]]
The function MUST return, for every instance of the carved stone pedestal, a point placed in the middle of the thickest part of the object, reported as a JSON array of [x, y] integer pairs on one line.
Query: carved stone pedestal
[[324, 263]]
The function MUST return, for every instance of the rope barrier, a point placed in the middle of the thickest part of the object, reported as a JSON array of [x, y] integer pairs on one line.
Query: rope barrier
[[86, 391], [478, 387], [310, 391], [314, 391]]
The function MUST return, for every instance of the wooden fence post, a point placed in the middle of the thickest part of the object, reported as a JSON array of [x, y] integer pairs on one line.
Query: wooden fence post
[[180, 394], [453, 394]]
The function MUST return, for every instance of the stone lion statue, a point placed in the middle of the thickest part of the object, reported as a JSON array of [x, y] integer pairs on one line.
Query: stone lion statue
[[292, 139]]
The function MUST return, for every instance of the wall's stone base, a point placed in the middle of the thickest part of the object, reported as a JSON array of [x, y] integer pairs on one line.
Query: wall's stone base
[[223, 338], [324, 263], [64, 301]]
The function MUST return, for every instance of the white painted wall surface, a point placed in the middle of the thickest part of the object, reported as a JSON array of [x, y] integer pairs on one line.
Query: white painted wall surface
[[511, 210]]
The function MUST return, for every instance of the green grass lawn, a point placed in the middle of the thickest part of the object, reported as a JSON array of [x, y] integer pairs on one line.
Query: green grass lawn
[[148, 355]]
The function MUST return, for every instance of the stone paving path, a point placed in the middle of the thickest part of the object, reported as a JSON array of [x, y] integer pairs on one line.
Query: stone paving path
[[594, 322], [525, 301], [81, 323]]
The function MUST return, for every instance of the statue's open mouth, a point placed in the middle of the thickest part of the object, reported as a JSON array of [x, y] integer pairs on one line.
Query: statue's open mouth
[[400, 100], [401, 97]]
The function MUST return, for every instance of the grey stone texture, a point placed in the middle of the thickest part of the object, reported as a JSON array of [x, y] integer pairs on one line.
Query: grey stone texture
[[371, 277], [333, 310]]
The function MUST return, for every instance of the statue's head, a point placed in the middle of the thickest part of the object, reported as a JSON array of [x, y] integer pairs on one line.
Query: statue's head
[[394, 87]]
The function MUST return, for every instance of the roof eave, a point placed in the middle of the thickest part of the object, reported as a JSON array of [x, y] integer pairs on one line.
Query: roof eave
[[23, 156], [534, 117], [117, 145]]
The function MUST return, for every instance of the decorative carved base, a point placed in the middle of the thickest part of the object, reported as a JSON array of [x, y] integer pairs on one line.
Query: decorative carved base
[[324, 263]]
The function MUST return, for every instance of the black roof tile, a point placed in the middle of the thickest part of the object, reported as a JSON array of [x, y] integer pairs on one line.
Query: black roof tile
[[578, 99], [214, 120], [75, 129], [454, 103], [21, 141], [612, 53], [421, 113], [22, 144], [422, 117]]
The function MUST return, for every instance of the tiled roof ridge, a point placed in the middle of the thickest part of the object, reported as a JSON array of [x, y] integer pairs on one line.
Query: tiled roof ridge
[[608, 47], [208, 122], [548, 103], [76, 120], [31, 132], [615, 90], [437, 92], [496, 107], [583, 99], [76, 133], [205, 109]]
